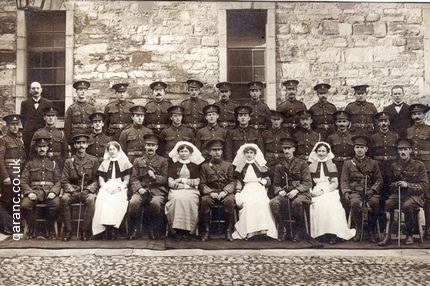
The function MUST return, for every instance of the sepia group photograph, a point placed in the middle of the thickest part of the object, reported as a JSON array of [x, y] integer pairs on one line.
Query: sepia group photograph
[[214, 142]]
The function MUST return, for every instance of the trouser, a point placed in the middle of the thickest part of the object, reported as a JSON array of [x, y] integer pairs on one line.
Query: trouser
[[427, 206], [53, 208], [278, 205], [356, 205], [154, 205], [409, 205], [88, 199], [5, 219], [207, 202]]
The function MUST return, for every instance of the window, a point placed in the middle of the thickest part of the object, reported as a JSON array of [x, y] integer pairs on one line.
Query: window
[[246, 48], [46, 49]]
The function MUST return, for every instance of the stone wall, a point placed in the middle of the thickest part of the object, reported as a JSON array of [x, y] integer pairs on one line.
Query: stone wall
[[351, 43], [141, 42], [7, 57]]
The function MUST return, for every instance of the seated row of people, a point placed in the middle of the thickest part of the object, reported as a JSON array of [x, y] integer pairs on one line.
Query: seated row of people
[[187, 187]]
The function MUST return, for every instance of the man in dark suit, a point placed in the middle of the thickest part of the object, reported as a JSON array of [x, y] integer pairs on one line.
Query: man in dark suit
[[32, 114], [398, 111]]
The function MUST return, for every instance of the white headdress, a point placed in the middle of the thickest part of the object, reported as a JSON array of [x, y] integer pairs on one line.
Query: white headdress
[[313, 156], [123, 161], [195, 157], [240, 159]]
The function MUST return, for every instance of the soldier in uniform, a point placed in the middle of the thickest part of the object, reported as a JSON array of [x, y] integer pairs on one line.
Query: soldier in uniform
[[291, 106], [398, 111], [157, 116], [176, 132], [117, 112], [272, 141], [361, 182], [361, 112], [226, 106], [410, 176], [12, 159], [323, 111], [149, 185], [341, 140], [217, 185], [79, 182], [193, 106], [419, 133], [32, 113], [98, 139], [305, 135], [211, 131], [57, 144], [131, 138], [77, 118], [242, 134], [40, 183], [292, 181], [260, 116]]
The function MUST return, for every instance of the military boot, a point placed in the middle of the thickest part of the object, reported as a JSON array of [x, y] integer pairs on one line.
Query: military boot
[[206, 226], [387, 237], [230, 227]]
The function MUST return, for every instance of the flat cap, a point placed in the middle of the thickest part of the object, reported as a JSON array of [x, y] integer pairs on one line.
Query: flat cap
[[290, 82], [243, 109], [194, 83], [98, 115], [120, 87], [81, 84], [361, 140], [158, 85], [223, 86]]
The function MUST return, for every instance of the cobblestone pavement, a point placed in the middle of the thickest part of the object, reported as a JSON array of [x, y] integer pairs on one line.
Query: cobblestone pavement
[[243, 269]]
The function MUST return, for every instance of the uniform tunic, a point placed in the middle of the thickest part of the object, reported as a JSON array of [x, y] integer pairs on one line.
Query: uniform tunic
[[289, 109], [237, 137], [193, 113], [260, 117], [173, 135], [227, 116], [132, 142], [272, 147], [97, 144], [208, 133], [323, 121], [118, 117], [362, 113], [342, 147], [306, 140], [157, 117], [57, 147], [77, 119]]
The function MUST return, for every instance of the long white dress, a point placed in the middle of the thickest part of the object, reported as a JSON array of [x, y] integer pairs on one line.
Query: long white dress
[[327, 213], [111, 205], [255, 216]]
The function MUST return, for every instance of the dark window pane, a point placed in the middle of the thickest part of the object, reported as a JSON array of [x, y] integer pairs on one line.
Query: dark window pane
[[258, 58], [59, 40], [246, 74], [246, 58], [59, 104], [59, 76], [259, 74], [233, 57], [33, 75], [33, 59], [59, 59], [47, 59], [33, 40], [246, 27], [46, 40], [48, 76], [234, 74], [48, 91]]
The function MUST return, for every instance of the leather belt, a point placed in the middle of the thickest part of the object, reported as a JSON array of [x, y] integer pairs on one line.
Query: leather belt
[[42, 183], [227, 124], [117, 125], [13, 161], [157, 126], [135, 153], [422, 152], [55, 153], [80, 125], [384, 158]]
